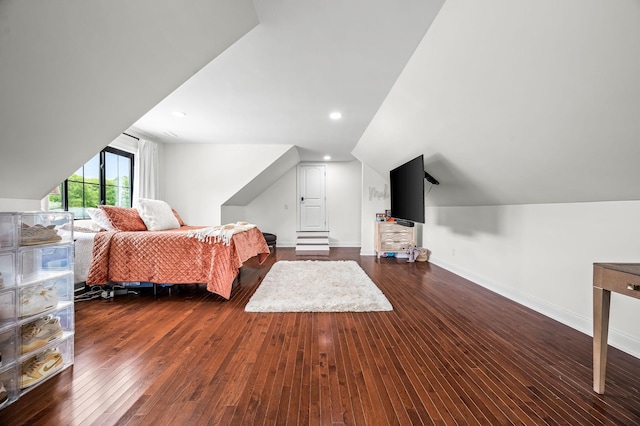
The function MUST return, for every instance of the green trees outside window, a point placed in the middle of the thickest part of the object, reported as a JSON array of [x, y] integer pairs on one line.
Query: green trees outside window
[[106, 179]]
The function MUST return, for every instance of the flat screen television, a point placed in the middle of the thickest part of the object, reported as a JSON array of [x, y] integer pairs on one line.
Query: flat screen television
[[407, 192]]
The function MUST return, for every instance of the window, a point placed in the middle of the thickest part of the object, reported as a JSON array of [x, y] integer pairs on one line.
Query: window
[[106, 179]]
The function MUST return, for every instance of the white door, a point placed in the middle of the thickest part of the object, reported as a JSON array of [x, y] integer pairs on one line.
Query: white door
[[312, 214]]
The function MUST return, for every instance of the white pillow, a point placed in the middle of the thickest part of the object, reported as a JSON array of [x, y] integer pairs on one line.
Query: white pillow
[[100, 218], [157, 215]]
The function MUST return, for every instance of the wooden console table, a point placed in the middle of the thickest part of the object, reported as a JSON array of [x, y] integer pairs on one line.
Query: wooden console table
[[623, 278]]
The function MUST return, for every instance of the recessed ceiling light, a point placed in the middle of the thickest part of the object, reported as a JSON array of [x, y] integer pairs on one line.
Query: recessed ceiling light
[[336, 115], [327, 157], [171, 134], [179, 114]]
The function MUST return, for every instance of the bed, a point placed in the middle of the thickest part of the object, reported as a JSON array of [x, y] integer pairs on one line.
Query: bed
[[133, 251], [83, 253], [171, 256]]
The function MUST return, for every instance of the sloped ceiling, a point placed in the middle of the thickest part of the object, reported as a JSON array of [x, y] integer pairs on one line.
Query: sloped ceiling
[[77, 73], [278, 84], [265, 178], [519, 102]]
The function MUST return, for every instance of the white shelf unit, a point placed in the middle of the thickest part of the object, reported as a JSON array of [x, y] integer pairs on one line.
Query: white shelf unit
[[393, 238], [36, 299]]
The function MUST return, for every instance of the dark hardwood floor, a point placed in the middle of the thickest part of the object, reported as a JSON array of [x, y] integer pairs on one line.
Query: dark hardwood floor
[[450, 352]]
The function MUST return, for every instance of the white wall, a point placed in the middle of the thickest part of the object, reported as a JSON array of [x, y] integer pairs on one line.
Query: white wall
[[18, 205], [232, 214], [198, 178], [519, 102], [542, 256], [375, 199], [344, 203], [275, 209]]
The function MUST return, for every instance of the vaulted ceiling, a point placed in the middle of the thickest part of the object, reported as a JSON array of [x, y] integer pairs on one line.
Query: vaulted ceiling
[[74, 74], [510, 102], [279, 83], [519, 102]]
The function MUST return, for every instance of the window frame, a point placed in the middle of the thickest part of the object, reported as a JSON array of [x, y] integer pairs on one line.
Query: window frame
[[102, 177]]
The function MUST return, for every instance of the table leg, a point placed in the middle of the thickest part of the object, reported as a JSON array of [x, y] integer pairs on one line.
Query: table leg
[[601, 303]]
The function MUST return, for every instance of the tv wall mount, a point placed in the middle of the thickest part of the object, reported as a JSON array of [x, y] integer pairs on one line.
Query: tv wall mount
[[431, 179]]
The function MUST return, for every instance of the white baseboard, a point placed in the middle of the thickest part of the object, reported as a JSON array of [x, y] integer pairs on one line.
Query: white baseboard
[[285, 244], [617, 339], [293, 244]]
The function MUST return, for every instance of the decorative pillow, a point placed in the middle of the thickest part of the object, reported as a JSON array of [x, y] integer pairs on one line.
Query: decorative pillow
[[124, 218], [100, 218], [180, 221], [157, 215]]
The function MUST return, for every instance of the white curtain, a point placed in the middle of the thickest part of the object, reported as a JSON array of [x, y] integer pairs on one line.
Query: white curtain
[[145, 183]]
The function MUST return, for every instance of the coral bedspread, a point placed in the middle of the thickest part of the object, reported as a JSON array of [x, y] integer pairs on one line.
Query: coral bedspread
[[172, 257]]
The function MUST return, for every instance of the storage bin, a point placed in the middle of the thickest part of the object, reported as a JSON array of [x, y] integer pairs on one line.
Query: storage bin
[[38, 263], [36, 299], [39, 331], [9, 381], [7, 347], [36, 368], [37, 228], [7, 270], [7, 305], [46, 295], [8, 240]]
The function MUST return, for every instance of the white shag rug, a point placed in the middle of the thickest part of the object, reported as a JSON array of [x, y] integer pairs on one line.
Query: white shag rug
[[317, 286]]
